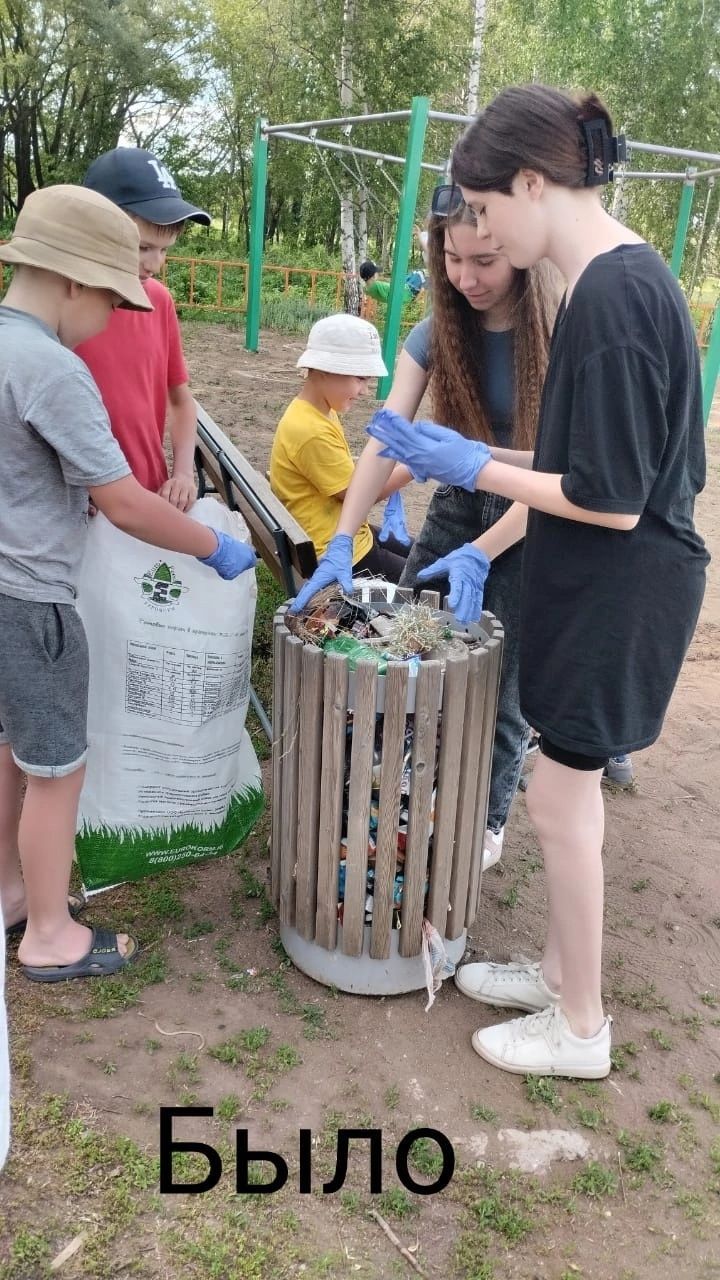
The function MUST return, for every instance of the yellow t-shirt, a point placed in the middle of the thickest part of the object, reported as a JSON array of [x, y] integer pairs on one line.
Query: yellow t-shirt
[[310, 462]]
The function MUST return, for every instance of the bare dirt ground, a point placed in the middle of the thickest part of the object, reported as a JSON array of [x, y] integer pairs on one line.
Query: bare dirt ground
[[616, 1181]]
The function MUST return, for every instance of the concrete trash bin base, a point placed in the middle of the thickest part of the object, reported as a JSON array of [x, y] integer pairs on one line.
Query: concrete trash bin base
[[361, 975]]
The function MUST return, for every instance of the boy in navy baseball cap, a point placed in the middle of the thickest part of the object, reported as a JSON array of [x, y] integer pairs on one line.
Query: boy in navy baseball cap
[[139, 366], [142, 186]]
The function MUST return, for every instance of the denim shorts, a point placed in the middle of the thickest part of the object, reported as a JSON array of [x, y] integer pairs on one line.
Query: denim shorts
[[43, 686]]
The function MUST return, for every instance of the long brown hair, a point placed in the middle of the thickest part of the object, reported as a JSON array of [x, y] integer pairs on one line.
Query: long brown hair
[[458, 376], [529, 126]]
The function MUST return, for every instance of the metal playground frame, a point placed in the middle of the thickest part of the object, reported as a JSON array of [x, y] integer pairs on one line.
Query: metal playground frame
[[700, 166]]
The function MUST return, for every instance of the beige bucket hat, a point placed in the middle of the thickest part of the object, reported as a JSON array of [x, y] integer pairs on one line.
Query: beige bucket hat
[[82, 236], [344, 344]]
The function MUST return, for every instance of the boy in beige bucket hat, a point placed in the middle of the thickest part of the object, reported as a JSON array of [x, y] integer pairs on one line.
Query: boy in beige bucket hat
[[310, 463], [75, 258]]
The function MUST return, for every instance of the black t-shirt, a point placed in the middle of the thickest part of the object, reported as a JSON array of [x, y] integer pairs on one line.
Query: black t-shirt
[[607, 616]]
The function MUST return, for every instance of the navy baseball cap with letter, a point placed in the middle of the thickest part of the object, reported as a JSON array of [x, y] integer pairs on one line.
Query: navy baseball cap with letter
[[138, 182]]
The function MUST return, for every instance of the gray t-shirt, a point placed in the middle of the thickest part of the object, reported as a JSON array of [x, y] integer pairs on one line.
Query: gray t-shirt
[[500, 388], [55, 444]]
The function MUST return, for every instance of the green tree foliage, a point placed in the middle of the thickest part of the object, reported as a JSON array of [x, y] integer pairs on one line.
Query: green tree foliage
[[190, 81], [655, 62], [281, 60], [76, 73]]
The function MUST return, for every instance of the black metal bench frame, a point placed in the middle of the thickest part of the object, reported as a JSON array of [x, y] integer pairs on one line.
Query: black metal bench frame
[[277, 537]]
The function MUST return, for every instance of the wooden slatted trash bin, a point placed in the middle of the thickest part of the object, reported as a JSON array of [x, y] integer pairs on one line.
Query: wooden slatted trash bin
[[341, 741]]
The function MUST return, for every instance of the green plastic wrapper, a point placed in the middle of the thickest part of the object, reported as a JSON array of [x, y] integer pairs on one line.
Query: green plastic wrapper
[[355, 651]]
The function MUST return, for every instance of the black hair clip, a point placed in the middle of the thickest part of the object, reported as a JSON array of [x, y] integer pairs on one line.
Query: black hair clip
[[603, 152]]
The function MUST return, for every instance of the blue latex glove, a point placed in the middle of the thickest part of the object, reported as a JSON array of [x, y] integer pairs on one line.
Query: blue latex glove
[[334, 566], [429, 450], [466, 568], [393, 525], [231, 557]]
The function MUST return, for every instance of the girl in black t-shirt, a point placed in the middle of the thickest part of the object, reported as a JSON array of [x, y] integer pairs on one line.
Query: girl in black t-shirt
[[613, 569]]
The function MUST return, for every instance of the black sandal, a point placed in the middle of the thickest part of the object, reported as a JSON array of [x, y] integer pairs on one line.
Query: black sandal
[[76, 904], [102, 960]]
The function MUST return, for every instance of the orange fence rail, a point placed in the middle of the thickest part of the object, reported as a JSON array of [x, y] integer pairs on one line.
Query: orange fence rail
[[192, 285], [702, 314], [228, 291]]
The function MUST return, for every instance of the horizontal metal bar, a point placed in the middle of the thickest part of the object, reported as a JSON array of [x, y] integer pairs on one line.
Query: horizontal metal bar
[[681, 152], [358, 151], [449, 115], [316, 124], [649, 173], [687, 175]]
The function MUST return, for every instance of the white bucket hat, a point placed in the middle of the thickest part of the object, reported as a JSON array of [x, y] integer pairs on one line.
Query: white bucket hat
[[344, 344]]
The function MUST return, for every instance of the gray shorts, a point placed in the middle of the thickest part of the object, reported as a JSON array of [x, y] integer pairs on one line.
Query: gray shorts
[[43, 686]]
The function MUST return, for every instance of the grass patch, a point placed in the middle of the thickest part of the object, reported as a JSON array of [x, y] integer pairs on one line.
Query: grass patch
[[229, 1107], [396, 1203], [199, 929], [483, 1114], [246, 1050], [425, 1156], [703, 1101], [589, 1118], [665, 1112], [621, 1059], [314, 1019], [392, 1097], [693, 1024], [509, 899], [595, 1181], [506, 1220], [542, 1089], [590, 1088], [111, 996], [644, 998], [693, 1205], [29, 1254], [714, 1158], [233, 1051], [660, 1039], [639, 1154]]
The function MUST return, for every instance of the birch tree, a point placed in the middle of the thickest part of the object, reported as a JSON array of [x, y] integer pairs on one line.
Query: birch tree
[[347, 207], [473, 80]]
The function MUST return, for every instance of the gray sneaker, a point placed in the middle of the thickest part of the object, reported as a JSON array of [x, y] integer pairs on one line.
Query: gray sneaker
[[619, 770], [510, 986]]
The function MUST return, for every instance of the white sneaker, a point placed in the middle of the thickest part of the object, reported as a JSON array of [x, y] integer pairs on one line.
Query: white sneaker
[[492, 849], [544, 1045], [511, 986]]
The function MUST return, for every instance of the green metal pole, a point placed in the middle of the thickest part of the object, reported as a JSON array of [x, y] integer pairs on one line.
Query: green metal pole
[[711, 365], [257, 237], [403, 236], [683, 222]]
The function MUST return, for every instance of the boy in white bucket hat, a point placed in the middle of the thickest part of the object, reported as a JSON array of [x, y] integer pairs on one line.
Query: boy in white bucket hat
[[310, 462]]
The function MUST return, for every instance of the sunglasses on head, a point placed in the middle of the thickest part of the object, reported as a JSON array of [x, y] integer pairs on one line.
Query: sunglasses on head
[[446, 200]]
